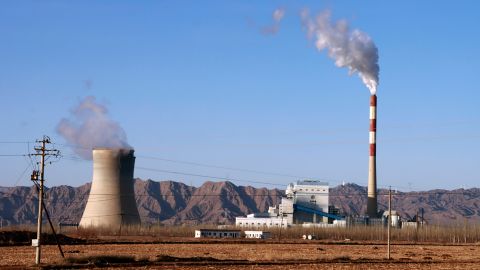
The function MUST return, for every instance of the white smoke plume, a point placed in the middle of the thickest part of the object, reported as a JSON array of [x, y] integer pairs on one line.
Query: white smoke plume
[[348, 48], [277, 16], [90, 126]]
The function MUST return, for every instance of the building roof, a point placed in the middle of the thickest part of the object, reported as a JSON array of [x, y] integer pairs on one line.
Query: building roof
[[311, 183], [261, 215], [217, 230]]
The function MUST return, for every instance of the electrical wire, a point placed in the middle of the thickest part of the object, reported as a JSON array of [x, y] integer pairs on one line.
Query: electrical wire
[[279, 194], [209, 176], [221, 167], [74, 157], [13, 142], [21, 175], [205, 165]]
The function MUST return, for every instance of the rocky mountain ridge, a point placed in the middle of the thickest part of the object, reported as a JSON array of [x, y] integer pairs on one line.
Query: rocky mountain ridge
[[170, 202]]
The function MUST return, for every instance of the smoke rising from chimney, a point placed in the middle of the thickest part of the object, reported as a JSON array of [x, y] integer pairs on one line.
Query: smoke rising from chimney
[[89, 126], [353, 49]]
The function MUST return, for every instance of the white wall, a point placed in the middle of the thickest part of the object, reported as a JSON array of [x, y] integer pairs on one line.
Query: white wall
[[260, 222]]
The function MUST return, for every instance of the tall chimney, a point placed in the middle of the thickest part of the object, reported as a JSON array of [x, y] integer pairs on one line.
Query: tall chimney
[[111, 202], [372, 163]]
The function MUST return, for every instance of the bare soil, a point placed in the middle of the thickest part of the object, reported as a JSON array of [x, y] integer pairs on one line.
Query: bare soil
[[220, 254]]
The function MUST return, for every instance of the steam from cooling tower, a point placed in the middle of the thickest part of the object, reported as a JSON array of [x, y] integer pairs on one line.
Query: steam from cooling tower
[[353, 49], [90, 126], [277, 16]]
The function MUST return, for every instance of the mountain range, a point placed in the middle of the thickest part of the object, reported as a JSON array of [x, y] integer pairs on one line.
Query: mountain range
[[169, 203]]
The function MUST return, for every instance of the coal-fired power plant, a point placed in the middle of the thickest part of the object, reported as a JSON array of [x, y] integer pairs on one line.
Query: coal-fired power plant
[[111, 202], [372, 163]]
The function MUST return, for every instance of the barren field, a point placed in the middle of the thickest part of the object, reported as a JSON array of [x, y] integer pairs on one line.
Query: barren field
[[250, 255]]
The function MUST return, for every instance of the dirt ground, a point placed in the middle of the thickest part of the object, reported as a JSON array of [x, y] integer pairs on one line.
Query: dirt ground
[[258, 255]]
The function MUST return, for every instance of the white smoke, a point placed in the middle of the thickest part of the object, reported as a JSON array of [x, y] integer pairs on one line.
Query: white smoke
[[90, 126], [352, 49], [277, 16]]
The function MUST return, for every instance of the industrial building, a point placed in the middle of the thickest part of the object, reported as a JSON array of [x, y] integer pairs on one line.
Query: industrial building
[[258, 234], [270, 219], [217, 233], [305, 202]]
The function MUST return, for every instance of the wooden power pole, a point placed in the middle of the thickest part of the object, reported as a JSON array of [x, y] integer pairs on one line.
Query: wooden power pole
[[389, 220], [43, 152]]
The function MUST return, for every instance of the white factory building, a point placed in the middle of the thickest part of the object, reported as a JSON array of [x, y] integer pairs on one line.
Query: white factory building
[[217, 233], [258, 234], [305, 202], [261, 220]]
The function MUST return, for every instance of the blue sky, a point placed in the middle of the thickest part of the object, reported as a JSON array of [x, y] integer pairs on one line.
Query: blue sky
[[197, 81]]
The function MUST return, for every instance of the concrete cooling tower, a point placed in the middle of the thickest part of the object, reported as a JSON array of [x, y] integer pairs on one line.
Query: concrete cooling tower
[[111, 202]]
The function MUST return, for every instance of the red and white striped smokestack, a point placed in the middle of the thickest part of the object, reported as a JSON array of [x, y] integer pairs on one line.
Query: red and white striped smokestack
[[372, 168]]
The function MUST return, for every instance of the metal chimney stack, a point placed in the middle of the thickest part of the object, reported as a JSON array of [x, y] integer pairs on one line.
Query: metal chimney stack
[[372, 168], [111, 202]]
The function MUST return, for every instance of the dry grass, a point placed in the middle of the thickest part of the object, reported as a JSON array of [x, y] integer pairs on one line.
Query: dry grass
[[426, 234], [155, 232], [454, 234]]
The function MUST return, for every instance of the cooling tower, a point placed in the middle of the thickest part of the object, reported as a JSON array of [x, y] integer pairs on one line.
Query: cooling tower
[[111, 202], [372, 163]]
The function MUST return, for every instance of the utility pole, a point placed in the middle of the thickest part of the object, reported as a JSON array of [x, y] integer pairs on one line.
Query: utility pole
[[389, 220], [43, 152]]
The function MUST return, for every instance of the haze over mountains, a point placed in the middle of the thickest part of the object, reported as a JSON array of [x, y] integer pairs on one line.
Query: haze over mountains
[[170, 202]]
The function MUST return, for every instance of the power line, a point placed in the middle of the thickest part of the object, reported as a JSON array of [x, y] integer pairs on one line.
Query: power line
[[21, 175], [205, 165], [14, 142], [221, 167], [279, 194], [78, 159], [208, 176], [74, 157]]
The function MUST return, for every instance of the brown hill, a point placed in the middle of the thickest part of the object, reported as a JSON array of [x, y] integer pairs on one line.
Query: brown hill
[[171, 202], [439, 206], [167, 202]]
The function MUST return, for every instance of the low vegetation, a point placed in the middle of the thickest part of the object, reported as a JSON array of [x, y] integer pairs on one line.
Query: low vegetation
[[454, 234], [427, 234]]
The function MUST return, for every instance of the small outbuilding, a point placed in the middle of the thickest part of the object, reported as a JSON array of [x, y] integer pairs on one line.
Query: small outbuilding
[[258, 234], [217, 233]]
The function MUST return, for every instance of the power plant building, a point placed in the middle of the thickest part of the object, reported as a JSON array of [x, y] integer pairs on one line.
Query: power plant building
[[111, 202], [270, 219], [305, 202]]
